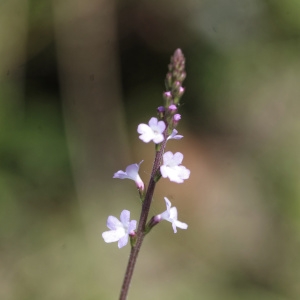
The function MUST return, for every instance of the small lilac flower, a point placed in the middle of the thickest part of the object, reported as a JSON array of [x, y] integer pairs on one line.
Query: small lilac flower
[[132, 172], [171, 215], [171, 167], [119, 230], [161, 112], [177, 117], [181, 91], [169, 78], [177, 85], [172, 108], [168, 95], [160, 109], [152, 132], [174, 135], [182, 76]]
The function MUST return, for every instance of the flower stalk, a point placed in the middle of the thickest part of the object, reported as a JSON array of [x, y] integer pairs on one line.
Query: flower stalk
[[166, 165]]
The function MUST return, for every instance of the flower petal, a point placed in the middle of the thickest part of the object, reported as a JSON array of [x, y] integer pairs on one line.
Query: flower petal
[[173, 213], [181, 225], [146, 133], [164, 171], [120, 174], [158, 138], [167, 157], [174, 135], [125, 217], [162, 126], [177, 158], [123, 241], [143, 128], [174, 227], [173, 175], [132, 171], [113, 223], [168, 203], [153, 122], [185, 173], [113, 235], [132, 226]]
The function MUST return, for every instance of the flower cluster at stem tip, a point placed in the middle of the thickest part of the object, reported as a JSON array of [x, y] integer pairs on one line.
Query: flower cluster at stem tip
[[159, 130]]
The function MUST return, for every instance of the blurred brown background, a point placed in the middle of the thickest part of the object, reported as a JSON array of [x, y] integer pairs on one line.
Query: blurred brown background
[[77, 77]]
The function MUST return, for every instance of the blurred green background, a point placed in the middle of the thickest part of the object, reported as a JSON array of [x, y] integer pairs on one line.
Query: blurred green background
[[77, 77]]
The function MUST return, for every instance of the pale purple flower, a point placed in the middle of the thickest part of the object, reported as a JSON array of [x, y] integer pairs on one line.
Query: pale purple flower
[[172, 108], [160, 109], [168, 95], [171, 167], [153, 132], [174, 135], [181, 91], [161, 112], [119, 230], [177, 117], [171, 215], [131, 172], [177, 84]]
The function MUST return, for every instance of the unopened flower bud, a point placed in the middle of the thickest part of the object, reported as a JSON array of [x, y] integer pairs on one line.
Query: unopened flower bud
[[168, 95], [172, 108], [181, 91], [132, 237], [181, 67], [132, 234], [176, 119], [176, 74], [160, 109], [169, 80], [161, 112], [176, 69], [178, 56], [168, 98], [182, 76], [154, 221], [177, 85]]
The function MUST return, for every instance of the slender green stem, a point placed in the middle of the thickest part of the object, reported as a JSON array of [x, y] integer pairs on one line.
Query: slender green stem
[[140, 233]]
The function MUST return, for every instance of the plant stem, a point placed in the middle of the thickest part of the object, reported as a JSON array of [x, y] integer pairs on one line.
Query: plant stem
[[174, 79], [140, 233]]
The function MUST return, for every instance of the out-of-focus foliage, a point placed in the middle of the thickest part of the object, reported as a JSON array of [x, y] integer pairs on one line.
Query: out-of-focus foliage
[[240, 121]]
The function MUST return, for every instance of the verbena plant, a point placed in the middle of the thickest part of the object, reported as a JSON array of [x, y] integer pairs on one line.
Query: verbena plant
[[159, 130]]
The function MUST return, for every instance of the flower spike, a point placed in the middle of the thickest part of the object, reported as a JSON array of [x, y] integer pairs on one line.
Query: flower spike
[[159, 130]]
